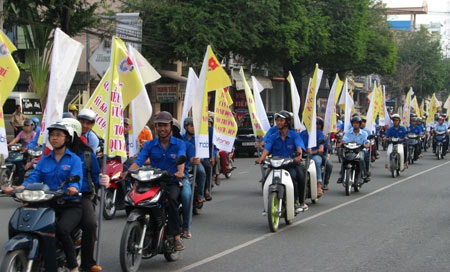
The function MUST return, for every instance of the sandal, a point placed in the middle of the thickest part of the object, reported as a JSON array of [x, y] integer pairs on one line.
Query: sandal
[[201, 200], [186, 234], [178, 245]]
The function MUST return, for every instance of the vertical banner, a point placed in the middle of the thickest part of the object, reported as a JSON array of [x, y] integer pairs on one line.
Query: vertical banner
[[9, 72], [189, 98], [295, 102], [256, 124], [384, 114], [330, 113], [3, 140], [415, 106], [309, 111], [433, 109], [374, 108], [140, 107], [65, 58], [407, 108], [260, 110], [348, 103], [225, 127], [212, 77]]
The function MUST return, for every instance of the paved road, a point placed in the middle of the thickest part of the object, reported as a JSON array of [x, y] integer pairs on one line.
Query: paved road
[[397, 224]]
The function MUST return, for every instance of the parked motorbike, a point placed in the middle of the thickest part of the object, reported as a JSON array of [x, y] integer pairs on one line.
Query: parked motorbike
[[226, 163], [144, 235], [31, 223], [413, 142], [114, 193], [440, 139], [278, 192], [396, 157], [352, 171], [10, 170]]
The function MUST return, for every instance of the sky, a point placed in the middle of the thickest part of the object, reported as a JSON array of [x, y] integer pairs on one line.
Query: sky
[[438, 10]]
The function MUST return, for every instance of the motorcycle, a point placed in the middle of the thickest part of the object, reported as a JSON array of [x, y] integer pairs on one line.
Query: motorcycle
[[413, 142], [34, 155], [9, 173], [396, 157], [144, 235], [311, 178], [440, 138], [226, 163], [278, 192], [114, 193], [352, 171], [31, 223]]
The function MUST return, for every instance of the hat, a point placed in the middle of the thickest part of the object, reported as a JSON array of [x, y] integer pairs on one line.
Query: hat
[[163, 117], [126, 121]]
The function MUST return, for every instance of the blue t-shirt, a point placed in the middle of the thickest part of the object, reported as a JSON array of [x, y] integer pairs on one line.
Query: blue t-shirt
[[164, 159], [442, 127], [92, 140], [305, 138], [416, 130], [352, 137], [284, 148], [53, 173], [269, 133], [394, 132]]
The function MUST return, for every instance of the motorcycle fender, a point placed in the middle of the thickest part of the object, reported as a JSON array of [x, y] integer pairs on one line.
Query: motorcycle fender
[[135, 214], [24, 241], [277, 188]]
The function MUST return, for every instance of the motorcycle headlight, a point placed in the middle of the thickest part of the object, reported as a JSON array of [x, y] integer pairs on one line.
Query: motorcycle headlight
[[33, 196], [276, 162], [146, 175], [35, 153]]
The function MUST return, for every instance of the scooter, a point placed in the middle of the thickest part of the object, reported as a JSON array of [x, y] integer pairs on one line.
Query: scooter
[[226, 163], [34, 156], [396, 157], [32, 223], [311, 178], [440, 139], [114, 193], [413, 142], [278, 192], [352, 172], [144, 235], [9, 173]]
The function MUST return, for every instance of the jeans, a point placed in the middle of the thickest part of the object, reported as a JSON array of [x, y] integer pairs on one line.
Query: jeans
[[318, 160], [173, 224], [298, 174], [208, 168], [89, 228], [186, 193], [200, 181]]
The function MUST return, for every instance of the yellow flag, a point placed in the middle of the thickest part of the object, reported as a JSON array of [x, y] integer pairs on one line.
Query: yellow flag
[[432, 110], [225, 127], [216, 77], [415, 106], [9, 72], [310, 103], [256, 124]]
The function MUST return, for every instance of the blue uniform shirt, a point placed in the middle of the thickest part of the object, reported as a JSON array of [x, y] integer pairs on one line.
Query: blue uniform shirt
[[442, 127], [399, 132], [92, 140], [352, 137], [269, 133], [416, 130], [53, 173], [190, 153], [164, 159], [305, 138], [277, 147]]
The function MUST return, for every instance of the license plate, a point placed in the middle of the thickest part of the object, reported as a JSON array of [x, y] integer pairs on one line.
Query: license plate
[[248, 143]]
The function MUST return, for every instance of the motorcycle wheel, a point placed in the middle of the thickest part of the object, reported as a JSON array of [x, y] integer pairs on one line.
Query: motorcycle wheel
[[4, 178], [14, 261], [273, 211], [288, 222], [130, 259], [109, 207], [411, 156], [393, 166], [348, 183]]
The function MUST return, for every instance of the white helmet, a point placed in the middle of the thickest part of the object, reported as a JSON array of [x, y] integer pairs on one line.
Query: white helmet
[[74, 124], [87, 114], [59, 125]]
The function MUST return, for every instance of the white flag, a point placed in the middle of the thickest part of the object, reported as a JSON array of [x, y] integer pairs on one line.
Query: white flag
[[141, 108], [189, 96], [295, 103], [330, 112], [260, 110], [65, 58], [348, 101]]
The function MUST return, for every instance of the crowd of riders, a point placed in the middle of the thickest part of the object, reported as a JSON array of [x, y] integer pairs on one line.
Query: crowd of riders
[[75, 149]]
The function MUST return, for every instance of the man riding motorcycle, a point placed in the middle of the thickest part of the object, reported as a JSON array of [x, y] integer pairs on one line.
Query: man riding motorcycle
[[398, 131], [358, 136]]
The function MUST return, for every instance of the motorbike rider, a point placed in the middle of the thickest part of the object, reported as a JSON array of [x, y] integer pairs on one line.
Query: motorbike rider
[[53, 170], [284, 143], [186, 189], [326, 161], [398, 131], [416, 128], [316, 154], [163, 152], [24, 137], [92, 179], [37, 129], [439, 127], [87, 120], [359, 136], [367, 154], [200, 178]]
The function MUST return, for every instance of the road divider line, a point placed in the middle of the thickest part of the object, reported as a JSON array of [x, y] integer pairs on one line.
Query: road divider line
[[270, 234]]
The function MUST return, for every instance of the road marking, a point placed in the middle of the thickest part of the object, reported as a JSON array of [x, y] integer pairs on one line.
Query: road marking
[[270, 234]]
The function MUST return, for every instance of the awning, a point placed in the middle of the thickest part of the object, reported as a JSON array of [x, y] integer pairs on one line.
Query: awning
[[172, 75], [239, 84]]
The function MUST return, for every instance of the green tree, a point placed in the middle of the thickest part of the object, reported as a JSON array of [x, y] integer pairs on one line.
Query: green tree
[[38, 18]]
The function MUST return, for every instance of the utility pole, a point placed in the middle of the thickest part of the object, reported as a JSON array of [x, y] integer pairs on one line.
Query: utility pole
[[1, 15]]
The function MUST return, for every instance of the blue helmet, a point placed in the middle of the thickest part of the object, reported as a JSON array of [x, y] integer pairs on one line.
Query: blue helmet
[[35, 121]]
